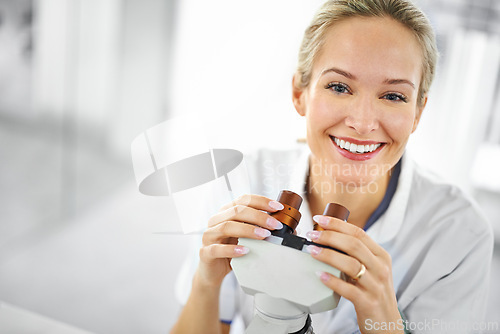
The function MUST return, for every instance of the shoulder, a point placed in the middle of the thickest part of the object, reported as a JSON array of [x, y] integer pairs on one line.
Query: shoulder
[[442, 205], [444, 246], [443, 229]]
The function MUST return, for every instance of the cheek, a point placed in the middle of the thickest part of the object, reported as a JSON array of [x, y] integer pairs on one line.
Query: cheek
[[322, 115], [400, 125]]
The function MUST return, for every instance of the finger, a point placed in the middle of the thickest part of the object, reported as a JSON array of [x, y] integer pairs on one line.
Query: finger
[[345, 243], [347, 290], [233, 229], [219, 251], [345, 263], [247, 215], [334, 224], [255, 201], [349, 266]]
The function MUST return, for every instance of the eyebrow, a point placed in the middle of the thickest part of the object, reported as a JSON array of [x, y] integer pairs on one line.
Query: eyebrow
[[339, 71], [399, 81], [353, 77]]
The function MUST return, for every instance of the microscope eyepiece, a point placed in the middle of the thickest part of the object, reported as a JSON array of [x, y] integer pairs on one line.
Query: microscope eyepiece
[[337, 211], [290, 198], [334, 210], [290, 215]]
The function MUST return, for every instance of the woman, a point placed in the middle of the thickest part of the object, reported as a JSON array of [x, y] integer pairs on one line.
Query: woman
[[416, 248]]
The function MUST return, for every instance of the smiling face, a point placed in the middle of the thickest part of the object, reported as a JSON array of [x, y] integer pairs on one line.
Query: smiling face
[[361, 103]]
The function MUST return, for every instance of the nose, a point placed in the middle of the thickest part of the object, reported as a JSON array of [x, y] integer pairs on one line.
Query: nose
[[362, 116]]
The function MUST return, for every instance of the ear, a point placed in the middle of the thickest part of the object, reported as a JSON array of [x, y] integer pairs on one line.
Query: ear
[[420, 109], [298, 96]]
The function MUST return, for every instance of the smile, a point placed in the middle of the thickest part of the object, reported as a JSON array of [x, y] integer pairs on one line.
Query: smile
[[355, 148]]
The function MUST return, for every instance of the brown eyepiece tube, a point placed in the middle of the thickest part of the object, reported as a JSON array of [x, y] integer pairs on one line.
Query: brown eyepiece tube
[[290, 215], [334, 210]]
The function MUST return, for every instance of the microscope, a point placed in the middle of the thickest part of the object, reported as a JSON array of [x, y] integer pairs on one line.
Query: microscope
[[281, 274]]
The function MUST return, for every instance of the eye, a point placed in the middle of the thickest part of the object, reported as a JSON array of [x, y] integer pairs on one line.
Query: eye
[[396, 97], [338, 88]]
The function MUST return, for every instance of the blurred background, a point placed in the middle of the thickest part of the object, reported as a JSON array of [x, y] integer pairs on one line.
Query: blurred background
[[81, 250]]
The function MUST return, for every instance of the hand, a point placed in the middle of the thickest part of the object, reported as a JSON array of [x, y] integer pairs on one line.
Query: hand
[[372, 294], [242, 218]]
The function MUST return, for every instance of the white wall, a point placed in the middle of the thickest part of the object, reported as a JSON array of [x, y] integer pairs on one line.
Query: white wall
[[234, 61], [102, 64]]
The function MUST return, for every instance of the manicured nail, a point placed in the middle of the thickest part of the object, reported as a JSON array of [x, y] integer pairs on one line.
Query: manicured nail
[[274, 223], [276, 205], [323, 276], [262, 232], [313, 235], [314, 250], [241, 250], [321, 220]]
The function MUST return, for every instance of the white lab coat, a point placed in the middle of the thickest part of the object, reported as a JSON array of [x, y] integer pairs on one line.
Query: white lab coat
[[441, 248]]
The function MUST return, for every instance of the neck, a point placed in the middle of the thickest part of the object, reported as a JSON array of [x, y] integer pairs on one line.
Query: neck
[[361, 201]]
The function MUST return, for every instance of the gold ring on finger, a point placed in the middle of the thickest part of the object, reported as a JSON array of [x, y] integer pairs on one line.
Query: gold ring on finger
[[360, 273]]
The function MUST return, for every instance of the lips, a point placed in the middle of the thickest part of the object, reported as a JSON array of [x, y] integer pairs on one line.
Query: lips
[[355, 149]]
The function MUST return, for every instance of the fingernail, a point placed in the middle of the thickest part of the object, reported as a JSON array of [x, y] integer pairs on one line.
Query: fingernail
[[241, 250], [323, 276], [313, 235], [321, 220], [276, 205], [262, 232], [314, 250], [274, 223]]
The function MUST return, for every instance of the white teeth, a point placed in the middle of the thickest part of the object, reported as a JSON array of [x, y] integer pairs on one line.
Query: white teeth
[[354, 148]]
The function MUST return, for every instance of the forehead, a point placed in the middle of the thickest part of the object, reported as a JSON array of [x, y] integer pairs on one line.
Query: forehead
[[371, 47]]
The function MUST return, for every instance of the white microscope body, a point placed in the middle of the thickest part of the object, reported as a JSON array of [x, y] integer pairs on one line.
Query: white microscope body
[[281, 274]]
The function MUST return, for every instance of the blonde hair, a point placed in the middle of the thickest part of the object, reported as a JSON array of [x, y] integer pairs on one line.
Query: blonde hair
[[403, 11]]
